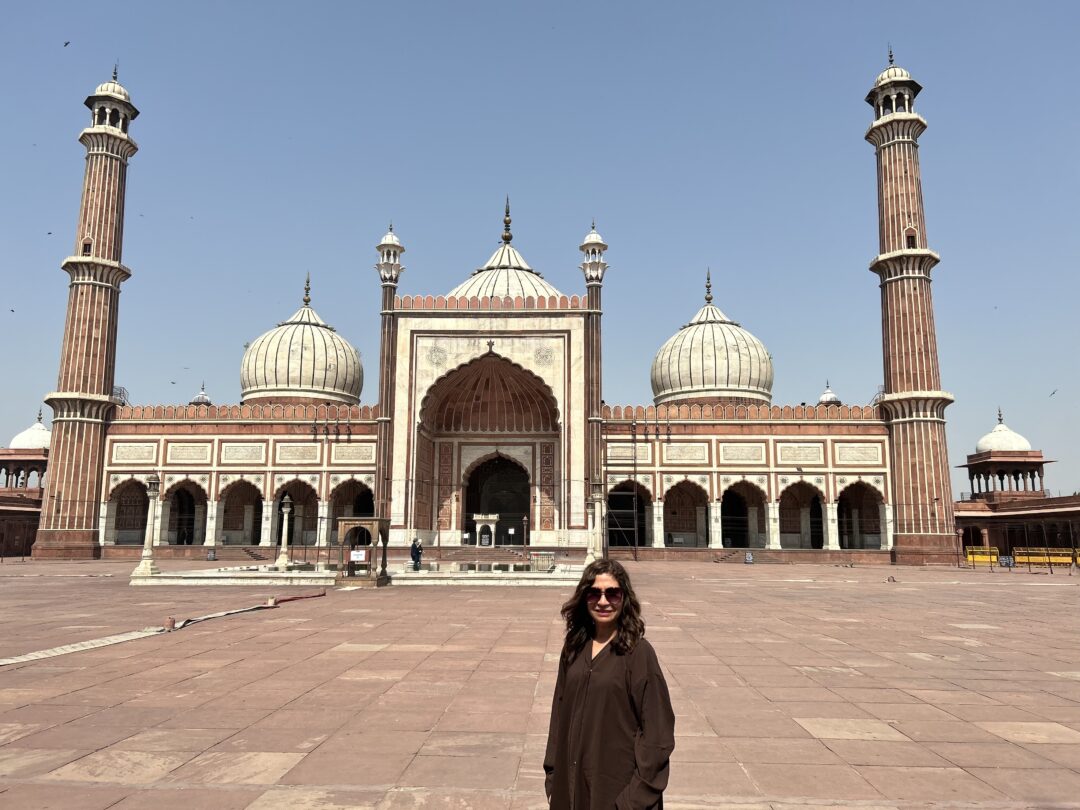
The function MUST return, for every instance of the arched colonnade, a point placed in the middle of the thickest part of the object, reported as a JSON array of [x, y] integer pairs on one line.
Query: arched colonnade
[[743, 517], [241, 516]]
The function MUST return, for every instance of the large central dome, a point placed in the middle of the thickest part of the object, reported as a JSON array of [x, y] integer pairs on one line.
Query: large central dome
[[712, 359], [505, 274], [302, 358]]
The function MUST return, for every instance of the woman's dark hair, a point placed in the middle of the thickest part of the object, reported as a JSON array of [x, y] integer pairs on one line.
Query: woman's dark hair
[[580, 628]]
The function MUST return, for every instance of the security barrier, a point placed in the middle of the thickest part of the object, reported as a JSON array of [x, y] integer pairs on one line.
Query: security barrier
[[1043, 556], [981, 554]]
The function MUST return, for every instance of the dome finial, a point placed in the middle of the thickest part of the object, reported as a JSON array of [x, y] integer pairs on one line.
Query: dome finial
[[391, 226], [1001, 418], [890, 54], [39, 415], [594, 223], [708, 285], [507, 236], [307, 290], [116, 70]]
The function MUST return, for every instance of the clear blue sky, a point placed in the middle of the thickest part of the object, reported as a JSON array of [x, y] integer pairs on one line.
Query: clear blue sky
[[280, 138]]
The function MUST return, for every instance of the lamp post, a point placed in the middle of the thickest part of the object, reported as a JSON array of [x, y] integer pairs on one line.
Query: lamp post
[[525, 530], [147, 567], [286, 510], [959, 540]]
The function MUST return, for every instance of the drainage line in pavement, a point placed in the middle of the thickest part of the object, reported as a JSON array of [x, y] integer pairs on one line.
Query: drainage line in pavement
[[170, 625]]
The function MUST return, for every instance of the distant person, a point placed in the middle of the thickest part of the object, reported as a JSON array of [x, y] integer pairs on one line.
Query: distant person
[[612, 727], [416, 552]]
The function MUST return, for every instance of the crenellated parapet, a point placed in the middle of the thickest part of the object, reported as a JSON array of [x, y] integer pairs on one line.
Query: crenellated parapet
[[489, 303], [269, 412], [740, 413]]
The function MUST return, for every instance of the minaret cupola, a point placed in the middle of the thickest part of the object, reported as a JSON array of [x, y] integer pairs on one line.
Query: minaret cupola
[[110, 106], [593, 248], [390, 250], [893, 92]]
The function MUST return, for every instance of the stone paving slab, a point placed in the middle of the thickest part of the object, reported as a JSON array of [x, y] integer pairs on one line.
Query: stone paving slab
[[794, 686]]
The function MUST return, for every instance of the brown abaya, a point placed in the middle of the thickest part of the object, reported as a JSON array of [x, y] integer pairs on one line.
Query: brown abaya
[[612, 732]]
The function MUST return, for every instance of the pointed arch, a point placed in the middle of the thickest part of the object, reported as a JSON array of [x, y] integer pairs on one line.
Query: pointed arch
[[489, 394]]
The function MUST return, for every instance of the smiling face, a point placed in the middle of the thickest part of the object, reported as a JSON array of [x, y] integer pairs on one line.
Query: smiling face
[[604, 611]]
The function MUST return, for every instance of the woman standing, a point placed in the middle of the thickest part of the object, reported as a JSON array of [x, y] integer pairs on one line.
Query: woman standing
[[612, 727]]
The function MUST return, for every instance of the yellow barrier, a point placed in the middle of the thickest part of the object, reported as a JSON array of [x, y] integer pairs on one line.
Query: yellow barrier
[[981, 554], [1042, 556]]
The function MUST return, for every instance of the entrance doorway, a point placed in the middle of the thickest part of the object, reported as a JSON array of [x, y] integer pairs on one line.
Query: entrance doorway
[[498, 486]]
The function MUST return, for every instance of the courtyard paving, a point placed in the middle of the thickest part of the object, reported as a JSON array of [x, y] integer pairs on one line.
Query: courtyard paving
[[794, 686]]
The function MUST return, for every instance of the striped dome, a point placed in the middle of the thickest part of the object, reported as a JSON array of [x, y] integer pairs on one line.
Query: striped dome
[[505, 273], [302, 357], [712, 358]]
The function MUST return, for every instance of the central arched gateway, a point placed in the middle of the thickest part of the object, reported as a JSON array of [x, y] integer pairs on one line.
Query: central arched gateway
[[500, 487], [487, 442]]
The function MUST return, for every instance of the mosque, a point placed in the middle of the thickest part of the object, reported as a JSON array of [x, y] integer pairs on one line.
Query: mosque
[[485, 426]]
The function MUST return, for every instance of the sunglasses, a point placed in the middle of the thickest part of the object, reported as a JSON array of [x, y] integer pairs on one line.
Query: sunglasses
[[614, 596]]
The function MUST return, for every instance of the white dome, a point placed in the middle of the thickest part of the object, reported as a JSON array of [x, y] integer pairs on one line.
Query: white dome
[[893, 73], [114, 89], [201, 398], [712, 357], [390, 238], [302, 357], [505, 273], [1002, 439], [593, 238], [35, 437], [828, 397]]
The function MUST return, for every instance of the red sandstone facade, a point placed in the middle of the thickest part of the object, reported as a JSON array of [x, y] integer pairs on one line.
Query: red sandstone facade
[[697, 475], [913, 402], [83, 401]]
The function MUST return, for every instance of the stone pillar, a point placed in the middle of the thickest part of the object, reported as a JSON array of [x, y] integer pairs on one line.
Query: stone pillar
[[268, 524], [161, 531], [658, 524], [275, 524], [752, 527], [887, 529], [831, 529], [716, 528], [211, 533], [200, 525], [322, 537], [108, 531], [772, 524], [701, 523], [649, 533], [249, 525], [856, 533], [804, 527]]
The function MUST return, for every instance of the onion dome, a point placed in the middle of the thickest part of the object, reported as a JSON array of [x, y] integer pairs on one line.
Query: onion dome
[[302, 357], [35, 437], [712, 358], [828, 397], [1002, 439], [201, 398], [505, 274]]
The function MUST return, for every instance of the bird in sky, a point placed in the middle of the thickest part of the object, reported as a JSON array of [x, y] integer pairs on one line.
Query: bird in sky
[[67, 43], [1051, 393]]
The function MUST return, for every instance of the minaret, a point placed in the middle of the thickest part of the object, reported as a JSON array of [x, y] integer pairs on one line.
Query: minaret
[[913, 402], [83, 401], [390, 270], [594, 267]]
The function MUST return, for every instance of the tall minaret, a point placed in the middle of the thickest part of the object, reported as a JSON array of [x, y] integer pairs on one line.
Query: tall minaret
[[83, 401], [594, 267], [390, 270], [913, 402]]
